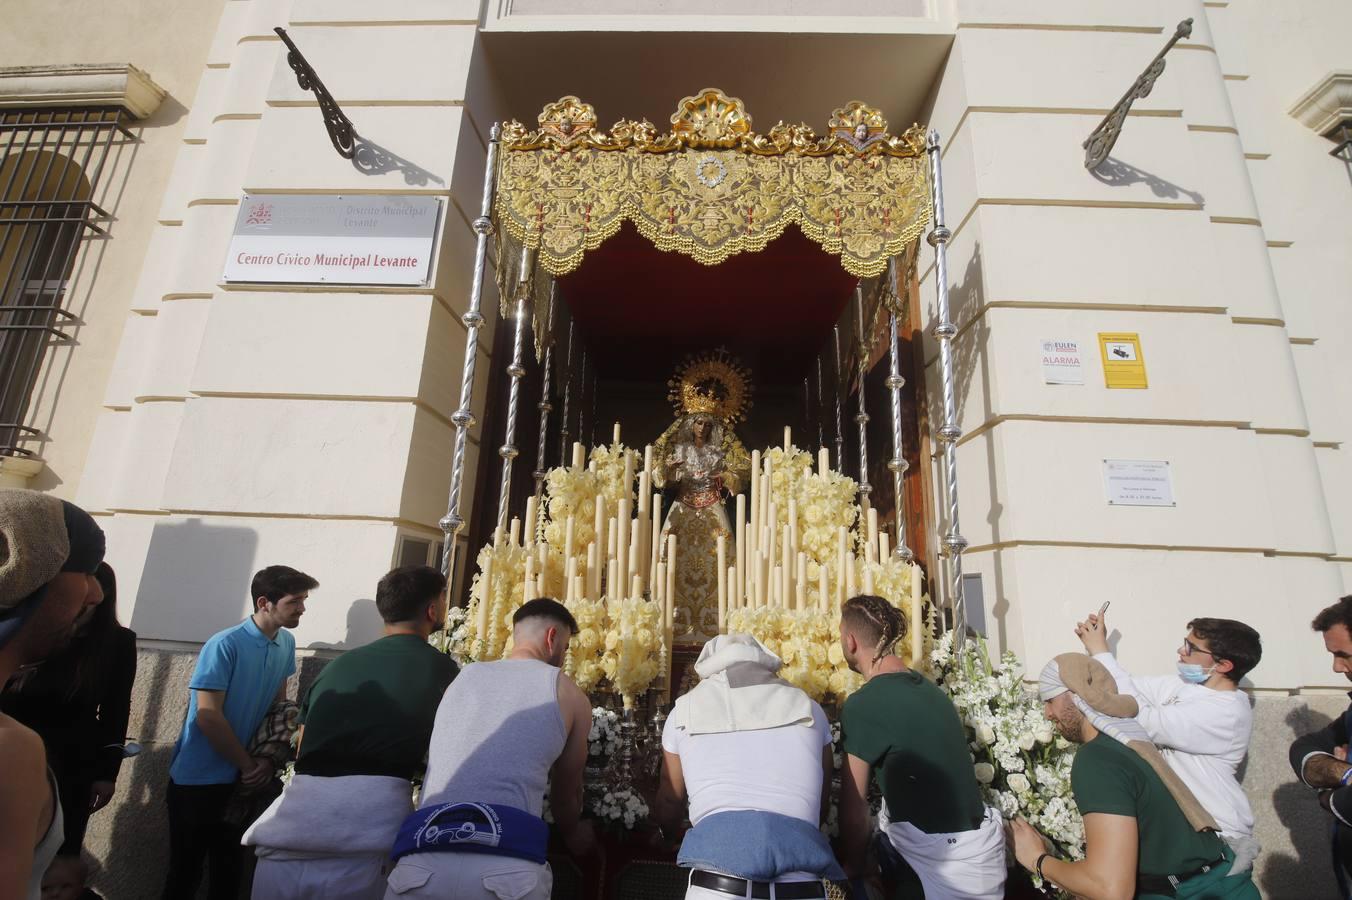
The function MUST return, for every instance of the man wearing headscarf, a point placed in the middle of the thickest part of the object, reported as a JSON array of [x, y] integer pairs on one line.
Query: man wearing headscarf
[[49, 550], [1146, 836], [752, 753]]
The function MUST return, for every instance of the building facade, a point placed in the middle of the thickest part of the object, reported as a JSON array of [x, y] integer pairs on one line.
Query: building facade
[[216, 428]]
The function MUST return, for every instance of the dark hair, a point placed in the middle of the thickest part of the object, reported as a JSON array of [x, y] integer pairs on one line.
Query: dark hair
[[872, 618], [1232, 641], [89, 656], [276, 582], [1339, 613], [546, 608], [404, 593]]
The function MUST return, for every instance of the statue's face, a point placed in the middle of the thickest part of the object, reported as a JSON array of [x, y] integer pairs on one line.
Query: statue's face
[[702, 428]]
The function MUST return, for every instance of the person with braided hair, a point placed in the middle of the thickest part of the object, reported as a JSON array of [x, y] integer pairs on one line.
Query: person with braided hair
[[934, 831]]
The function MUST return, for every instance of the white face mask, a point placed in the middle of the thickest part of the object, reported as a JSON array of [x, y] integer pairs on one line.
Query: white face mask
[[1194, 673]]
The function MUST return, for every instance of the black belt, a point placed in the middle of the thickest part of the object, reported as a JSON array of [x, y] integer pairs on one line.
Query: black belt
[[784, 890], [1167, 885]]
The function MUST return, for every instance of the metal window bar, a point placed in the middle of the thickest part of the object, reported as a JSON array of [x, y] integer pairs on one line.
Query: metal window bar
[[50, 164]]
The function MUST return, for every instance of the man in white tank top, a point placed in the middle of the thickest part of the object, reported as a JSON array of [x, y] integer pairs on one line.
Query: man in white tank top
[[505, 730]]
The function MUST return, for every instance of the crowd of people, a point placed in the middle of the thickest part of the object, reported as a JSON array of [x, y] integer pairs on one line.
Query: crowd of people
[[747, 762]]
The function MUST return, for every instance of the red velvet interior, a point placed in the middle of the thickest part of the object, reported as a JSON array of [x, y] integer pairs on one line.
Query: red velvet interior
[[640, 310]]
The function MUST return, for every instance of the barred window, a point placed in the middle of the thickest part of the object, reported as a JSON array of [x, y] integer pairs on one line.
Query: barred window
[[50, 163]]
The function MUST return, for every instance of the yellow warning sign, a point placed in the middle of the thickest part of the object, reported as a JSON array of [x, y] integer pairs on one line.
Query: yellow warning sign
[[1123, 363]]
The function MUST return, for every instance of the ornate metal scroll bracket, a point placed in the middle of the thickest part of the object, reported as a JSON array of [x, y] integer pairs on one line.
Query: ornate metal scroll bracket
[[340, 128], [1101, 140]]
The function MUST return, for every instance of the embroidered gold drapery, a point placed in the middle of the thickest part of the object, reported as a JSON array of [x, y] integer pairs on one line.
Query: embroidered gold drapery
[[711, 187]]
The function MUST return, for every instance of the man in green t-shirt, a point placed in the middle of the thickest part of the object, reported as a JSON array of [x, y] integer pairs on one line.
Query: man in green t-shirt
[[365, 726], [902, 729], [1146, 836]]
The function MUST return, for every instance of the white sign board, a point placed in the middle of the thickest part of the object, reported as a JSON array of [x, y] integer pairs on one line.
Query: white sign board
[[1062, 363], [333, 239], [1138, 482]]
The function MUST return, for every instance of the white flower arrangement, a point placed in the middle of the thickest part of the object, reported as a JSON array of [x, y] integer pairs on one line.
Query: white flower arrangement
[[632, 646], [1022, 767], [624, 808]]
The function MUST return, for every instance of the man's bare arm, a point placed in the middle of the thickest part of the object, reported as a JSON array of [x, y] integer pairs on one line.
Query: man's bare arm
[[669, 806], [854, 815], [565, 793]]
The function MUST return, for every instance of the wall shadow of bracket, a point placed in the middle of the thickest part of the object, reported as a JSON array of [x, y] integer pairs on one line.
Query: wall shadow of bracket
[[1116, 173], [367, 157]]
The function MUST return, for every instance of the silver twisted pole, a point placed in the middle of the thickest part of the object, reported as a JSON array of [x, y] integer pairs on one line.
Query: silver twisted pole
[[897, 464], [463, 417], [861, 417], [564, 449], [508, 450], [953, 543], [582, 405], [840, 421], [545, 406], [821, 420]]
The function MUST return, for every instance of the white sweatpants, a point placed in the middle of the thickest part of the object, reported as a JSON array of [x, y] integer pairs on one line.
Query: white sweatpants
[[320, 878], [468, 876], [964, 865]]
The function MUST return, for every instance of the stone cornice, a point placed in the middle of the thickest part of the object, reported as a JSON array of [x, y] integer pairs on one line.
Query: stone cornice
[[1326, 105], [82, 84]]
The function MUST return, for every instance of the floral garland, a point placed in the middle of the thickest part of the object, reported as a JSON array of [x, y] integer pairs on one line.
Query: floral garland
[[633, 647], [583, 663], [1023, 766]]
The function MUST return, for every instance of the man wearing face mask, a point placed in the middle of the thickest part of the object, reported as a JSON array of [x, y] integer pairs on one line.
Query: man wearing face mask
[[1199, 718]]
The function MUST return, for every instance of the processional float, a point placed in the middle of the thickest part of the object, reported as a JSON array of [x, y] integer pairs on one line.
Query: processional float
[[709, 188]]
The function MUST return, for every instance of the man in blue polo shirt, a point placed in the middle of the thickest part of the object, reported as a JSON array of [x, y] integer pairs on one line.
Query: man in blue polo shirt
[[240, 673]]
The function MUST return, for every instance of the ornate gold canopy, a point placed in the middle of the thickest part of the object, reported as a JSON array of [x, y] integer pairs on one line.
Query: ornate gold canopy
[[712, 187]]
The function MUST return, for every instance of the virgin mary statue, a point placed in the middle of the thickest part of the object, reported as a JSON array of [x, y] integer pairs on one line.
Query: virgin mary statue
[[703, 463]]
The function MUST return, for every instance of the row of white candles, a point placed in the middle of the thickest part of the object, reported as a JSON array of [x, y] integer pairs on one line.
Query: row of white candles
[[766, 568], [628, 542]]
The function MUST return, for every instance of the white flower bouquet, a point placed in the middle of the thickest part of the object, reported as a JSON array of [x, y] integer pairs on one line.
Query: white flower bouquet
[[1023, 766]]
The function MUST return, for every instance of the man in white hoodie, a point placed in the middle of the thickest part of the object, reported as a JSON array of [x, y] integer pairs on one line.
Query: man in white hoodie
[[1198, 718]]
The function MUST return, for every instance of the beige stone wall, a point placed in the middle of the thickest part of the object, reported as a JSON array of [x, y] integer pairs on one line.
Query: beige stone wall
[[169, 41], [1167, 240], [295, 425]]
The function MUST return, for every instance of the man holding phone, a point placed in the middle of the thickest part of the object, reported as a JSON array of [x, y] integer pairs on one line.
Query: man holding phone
[[1198, 718]]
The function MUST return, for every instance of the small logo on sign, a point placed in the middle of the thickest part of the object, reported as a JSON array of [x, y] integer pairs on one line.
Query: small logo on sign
[[259, 214]]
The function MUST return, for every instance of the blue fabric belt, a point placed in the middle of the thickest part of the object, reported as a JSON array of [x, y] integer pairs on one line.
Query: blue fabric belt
[[473, 828]]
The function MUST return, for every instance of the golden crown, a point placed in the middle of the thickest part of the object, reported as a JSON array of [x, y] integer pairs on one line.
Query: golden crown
[[713, 383]]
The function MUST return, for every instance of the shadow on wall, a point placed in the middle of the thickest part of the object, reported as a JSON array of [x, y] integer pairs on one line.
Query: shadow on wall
[[195, 581], [364, 625], [1305, 869]]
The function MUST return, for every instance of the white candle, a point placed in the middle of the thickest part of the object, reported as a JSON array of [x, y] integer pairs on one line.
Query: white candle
[[755, 494], [849, 575], [823, 461], [722, 580], [622, 544], [800, 584], [868, 578], [611, 528], [871, 548], [788, 439], [593, 572], [628, 474], [498, 536], [514, 532], [884, 547], [772, 529], [570, 577], [739, 588], [841, 539], [616, 439], [613, 587], [569, 535], [648, 459], [636, 586], [644, 492], [528, 589], [655, 551], [823, 597], [786, 559], [485, 600], [917, 622], [529, 532], [779, 588], [579, 456]]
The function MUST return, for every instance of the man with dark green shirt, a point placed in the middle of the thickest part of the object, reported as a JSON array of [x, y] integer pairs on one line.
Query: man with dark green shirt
[[365, 727], [902, 729], [1146, 836]]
